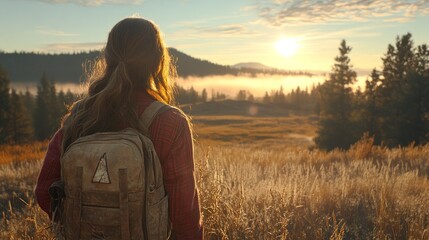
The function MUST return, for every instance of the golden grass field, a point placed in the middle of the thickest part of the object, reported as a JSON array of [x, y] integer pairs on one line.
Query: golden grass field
[[255, 132], [260, 178]]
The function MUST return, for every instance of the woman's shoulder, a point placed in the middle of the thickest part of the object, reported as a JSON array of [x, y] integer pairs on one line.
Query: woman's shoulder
[[172, 117], [176, 112], [169, 126], [169, 113]]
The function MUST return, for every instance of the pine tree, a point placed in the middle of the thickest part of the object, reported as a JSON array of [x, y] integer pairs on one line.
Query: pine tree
[[19, 121], [279, 97], [193, 95], [56, 108], [4, 106], [28, 100], [213, 98], [370, 111], [422, 60], [241, 95], [401, 95], [422, 69], [42, 119], [335, 124], [267, 98], [296, 98], [414, 114], [416, 96], [204, 95], [315, 98]]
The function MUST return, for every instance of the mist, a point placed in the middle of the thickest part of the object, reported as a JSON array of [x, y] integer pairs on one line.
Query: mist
[[229, 85], [32, 87]]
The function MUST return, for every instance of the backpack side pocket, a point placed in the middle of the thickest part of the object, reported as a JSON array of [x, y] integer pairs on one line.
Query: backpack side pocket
[[157, 219]]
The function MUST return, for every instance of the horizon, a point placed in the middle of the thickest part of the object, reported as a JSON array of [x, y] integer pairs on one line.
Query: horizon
[[291, 35], [236, 65]]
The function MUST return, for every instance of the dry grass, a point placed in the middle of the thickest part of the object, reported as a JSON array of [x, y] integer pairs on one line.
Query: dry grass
[[256, 132], [365, 193], [29, 222], [291, 192], [21, 218], [10, 153]]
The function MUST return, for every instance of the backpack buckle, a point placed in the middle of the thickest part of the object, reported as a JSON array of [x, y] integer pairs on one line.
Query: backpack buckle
[[151, 188]]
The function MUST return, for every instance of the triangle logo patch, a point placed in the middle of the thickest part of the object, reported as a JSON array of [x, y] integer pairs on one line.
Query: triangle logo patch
[[101, 174]]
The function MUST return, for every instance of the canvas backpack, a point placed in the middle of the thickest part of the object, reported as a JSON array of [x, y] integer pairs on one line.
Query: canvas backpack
[[113, 186]]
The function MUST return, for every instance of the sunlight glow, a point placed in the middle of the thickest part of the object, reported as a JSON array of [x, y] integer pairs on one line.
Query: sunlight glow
[[287, 47]]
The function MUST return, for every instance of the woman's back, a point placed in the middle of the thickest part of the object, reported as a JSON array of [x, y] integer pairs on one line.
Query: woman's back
[[134, 72]]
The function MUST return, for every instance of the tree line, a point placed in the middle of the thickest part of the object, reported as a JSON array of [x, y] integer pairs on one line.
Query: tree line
[[393, 109], [191, 96], [25, 117], [298, 100]]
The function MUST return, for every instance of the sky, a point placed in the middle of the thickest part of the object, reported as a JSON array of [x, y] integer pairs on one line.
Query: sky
[[225, 31]]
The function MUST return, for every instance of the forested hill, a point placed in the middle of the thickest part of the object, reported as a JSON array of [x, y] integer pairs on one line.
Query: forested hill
[[29, 67], [190, 66]]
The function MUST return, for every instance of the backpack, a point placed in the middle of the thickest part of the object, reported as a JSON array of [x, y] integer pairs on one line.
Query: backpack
[[113, 186]]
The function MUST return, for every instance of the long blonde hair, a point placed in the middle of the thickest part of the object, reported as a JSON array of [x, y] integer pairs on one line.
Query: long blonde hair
[[135, 59]]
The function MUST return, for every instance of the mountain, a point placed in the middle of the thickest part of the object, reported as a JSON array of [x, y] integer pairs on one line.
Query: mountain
[[29, 67], [253, 65], [190, 66], [24, 67]]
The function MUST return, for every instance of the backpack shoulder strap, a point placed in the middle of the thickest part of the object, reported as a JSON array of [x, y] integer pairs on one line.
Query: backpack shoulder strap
[[150, 113]]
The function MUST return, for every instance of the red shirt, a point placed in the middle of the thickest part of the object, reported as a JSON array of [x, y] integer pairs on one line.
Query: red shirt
[[172, 139]]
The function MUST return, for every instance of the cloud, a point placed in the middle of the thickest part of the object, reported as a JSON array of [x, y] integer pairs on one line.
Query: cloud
[[226, 29], [207, 21], [398, 20], [71, 47], [52, 32], [356, 32], [95, 3], [299, 12], [215, 32]]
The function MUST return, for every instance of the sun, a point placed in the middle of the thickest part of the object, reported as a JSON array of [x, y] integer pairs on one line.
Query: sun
[[287, 47]]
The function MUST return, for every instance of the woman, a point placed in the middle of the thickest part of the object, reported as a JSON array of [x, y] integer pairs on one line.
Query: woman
[[134, 72]]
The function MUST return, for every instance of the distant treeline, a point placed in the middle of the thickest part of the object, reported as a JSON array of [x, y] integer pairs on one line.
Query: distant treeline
[[26, 117], [298, 100], [69, 68], [393, 109]]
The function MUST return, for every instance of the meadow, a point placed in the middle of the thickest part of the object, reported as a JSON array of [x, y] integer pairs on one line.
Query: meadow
[[261, 178]]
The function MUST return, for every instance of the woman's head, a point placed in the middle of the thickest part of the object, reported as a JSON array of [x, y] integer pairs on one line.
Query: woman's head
[[135, 49], [135, 59]]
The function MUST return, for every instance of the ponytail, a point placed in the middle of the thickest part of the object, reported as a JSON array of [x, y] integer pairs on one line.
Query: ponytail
[[104, 110], [116, 97], [135, 58]]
